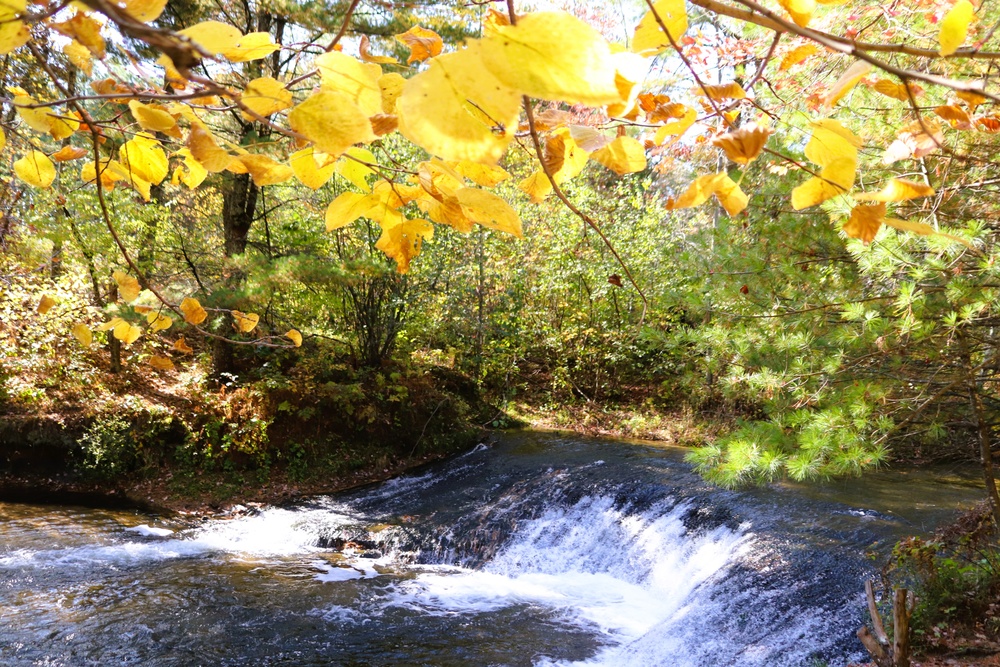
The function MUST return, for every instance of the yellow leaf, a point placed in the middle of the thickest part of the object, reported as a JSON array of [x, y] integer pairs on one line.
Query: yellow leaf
[[564, 159], [366, 56], [402, 242], [110, 324], [836, 178], [144, 157], [150, 118], [797, 55], [145, 11], [489, 210], [206, 151], [310, 171], [3, 139], [649, 38], [128, 286], [800, 10], [126, 332], [213, 37], [192, 311], [423, 44], [193, 174], [391, 87], [67, 153], [161, 363], [924, 230], [38, 119], [61, 127], [446, 211], [181, 346], [252, 46], [729, 194], [955, 27], [158, 321], [84, 29], [294, 336], [82, 334], [457, 110], [171, 74], [265, 96], [676, 128], [35, 169], [484, 175], [955, 116], [345, 209], [896, 91], [865, 221], [846, 82], [972, 99], [537, 186], [78, 54], [723, 91], [742, 146], [332, 121], [358, 81], [264, 170], [245, 322], [553, 56], [13, 34], [624, 155], [44, 304], [831, 141], [352, 166], [897, 189]]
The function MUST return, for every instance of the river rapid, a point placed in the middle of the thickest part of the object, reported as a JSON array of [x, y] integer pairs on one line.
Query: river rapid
[[541, 549]]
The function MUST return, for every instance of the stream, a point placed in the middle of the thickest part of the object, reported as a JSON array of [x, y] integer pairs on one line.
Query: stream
[[542, 549]]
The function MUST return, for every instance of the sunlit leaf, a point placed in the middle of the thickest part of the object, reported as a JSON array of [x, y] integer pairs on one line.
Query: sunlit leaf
[[923, 229], [402, 242], [353, 166], [484, 175], [265, 96], [128, 286], [192, 174], [865, 221], [896, 91], [245, 322], [537, 186], [332, 121], [391, 87], [252, 46], [77, 53], [729, 194], [955, 115], [86, 30], [294, 336], [83, 334], [624, 155], [264, 170], [151, 118], [143, 157], [366, 55], [423, 44], [914, 141], [742, 146], [458, 111], [126, 332], [800, 10], [564, 159], [345, 209], [723, 91], [955, 27], [553, 56], [676, 128], [192, 311], [649, 37], [358, 81], [67, 153], [144, 11], [489, 210], [206, 151], [846, 82], [311, 171], [836, 178], [831, 141], [181, 346], [213, 37], [797, 55], [161, 363], [897, 189], [36, 169], [158, 321], [45, 304]]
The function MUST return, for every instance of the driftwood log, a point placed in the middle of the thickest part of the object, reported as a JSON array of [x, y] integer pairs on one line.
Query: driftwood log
[[876, 641]]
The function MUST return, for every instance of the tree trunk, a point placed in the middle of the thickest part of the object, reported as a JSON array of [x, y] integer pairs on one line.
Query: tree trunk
[[239, 201]]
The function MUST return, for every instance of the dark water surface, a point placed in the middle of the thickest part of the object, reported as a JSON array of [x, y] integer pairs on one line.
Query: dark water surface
[[544, 549]]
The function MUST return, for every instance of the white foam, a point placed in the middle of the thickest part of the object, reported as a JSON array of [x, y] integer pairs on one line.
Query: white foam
[[150, 531]]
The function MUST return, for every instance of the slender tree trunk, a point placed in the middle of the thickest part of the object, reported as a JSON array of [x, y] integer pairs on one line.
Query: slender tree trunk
[[983, 430]]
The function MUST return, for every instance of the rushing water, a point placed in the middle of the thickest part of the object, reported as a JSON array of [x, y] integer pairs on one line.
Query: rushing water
[[540, 550]]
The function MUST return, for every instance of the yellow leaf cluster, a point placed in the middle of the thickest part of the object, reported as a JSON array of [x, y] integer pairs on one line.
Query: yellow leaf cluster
[[835, 149], [729, 194], [649, 37]]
